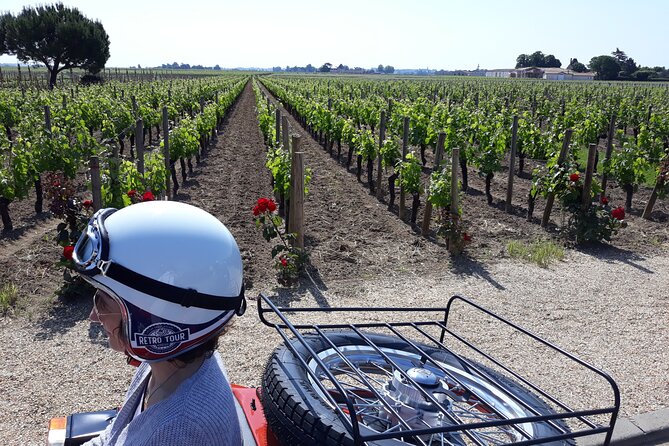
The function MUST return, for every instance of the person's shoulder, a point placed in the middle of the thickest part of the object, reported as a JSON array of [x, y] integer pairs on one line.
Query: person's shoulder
[[211, 383], [213, 369]]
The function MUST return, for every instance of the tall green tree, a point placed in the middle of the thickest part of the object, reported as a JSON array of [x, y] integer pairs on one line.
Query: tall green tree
[[523, 61], [605, 67], [537, 59], [577, 66], [57, 36], [620, 55], [551, 61], [3, 32], [627, 65]]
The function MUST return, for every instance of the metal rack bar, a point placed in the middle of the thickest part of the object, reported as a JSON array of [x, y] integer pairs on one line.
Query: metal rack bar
[[515, 375], [284, 326], [487, 375], [355, 428], [454, 378], [612, 383], [425, 394], [361, 376]]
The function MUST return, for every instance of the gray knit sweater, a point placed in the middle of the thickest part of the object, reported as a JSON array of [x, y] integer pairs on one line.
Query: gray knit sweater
[[201, 412]]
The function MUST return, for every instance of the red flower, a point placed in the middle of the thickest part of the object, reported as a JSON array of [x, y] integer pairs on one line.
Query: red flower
[[574, 177], [88, 203], [467, 237], [264, 205], [284, 262], [618, 213], [56, 184], [132, 193], [148, 196], [67, 252], [604, 200]]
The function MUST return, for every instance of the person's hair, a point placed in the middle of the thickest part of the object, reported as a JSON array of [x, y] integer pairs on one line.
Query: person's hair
[[206, 349]]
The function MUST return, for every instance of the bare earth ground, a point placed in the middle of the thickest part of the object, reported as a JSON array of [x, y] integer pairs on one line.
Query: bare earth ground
[[606, 304]]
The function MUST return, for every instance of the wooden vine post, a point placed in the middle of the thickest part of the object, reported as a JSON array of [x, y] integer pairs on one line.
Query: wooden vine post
[[286, 141], [455, 161], [283, 212], [166, 153], [427, 213], [586, 201], [512, 165], [296, 202], [551, 195], [39, 200], [96, 181], [609, 149], [659, 184], [405, 147], [277, 125], [379, 164], [139, 145]]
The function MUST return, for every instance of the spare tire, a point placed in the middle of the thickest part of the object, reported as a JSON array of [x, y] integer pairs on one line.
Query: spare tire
[[299, 414]]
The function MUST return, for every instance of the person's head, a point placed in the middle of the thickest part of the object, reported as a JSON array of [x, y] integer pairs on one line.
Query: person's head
[[168, 276]]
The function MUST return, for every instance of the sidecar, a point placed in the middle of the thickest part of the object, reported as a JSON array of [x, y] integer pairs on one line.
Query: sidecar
[[412, 379], [78, 428]]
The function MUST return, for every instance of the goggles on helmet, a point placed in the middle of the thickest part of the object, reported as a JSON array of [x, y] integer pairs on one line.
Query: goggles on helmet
[[91, 257]]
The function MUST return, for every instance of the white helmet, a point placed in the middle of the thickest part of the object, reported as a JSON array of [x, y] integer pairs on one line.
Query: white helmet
[[174, 269]]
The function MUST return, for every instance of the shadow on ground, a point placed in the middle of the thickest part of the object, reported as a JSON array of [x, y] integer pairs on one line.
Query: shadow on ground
[[612, 254], [73, 304], [464, 265]]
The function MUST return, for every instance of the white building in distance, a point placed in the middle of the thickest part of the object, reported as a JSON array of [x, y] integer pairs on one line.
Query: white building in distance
[[555, 74]]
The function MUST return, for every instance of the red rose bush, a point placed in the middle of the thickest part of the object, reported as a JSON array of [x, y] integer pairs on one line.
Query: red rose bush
[[596, 222], [288, 260]]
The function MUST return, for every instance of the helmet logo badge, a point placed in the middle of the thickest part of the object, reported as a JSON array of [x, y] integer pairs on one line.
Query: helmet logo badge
[[161, 338]]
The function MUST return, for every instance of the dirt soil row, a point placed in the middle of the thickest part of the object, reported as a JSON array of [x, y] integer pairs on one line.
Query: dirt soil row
[[348, 230]]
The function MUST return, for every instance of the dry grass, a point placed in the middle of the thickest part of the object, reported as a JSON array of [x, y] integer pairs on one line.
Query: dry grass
[[8, 295], [542, 252]]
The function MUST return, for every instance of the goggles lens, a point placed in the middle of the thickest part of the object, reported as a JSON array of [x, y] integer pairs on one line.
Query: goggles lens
[[86, 249], [89, 248]]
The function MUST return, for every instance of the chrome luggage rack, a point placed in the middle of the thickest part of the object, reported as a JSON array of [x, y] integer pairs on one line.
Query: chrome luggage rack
[[343, 398]]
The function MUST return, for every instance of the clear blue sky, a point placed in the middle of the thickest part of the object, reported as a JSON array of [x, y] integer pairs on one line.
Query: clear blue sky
[[403, 33]]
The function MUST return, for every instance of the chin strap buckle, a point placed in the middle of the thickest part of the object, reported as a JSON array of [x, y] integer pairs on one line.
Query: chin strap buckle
[[242, 307], [103, 266]]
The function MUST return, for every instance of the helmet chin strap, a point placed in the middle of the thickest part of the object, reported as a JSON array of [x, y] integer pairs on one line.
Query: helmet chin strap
[[131, 361]]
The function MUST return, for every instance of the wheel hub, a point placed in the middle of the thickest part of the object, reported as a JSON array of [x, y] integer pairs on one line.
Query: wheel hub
[[424, 377], [409, 402]]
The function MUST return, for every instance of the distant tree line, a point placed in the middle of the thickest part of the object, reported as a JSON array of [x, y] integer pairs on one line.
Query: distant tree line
[[617, 66], [185, 66], [341, 68]]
